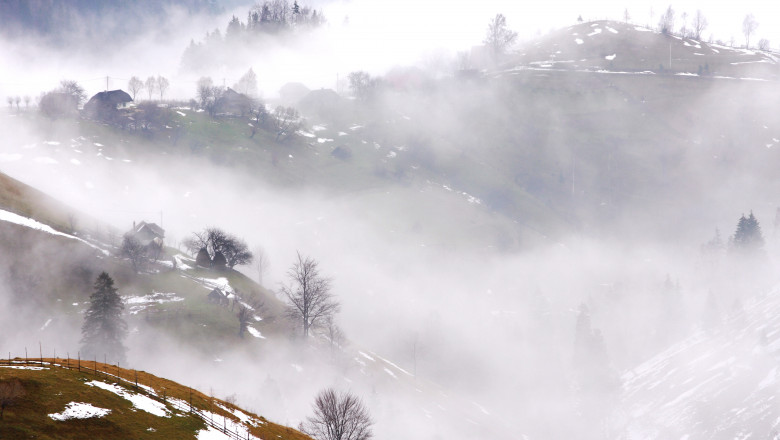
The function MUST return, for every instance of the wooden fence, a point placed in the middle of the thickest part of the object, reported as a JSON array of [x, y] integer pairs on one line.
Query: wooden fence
[[103, 370]]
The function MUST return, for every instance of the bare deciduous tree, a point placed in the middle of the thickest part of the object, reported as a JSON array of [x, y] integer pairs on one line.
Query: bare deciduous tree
[[10, 392], [666, 23], [135, 85], [309, 297], [287, 121], [261, 263], [73, 88], [162, 86], [763, 44], [499, 37], [151, 86], [26, 101], [215, 240], [133, 250], [338, 416], [749, 26], [247, 307], [699, 24], [247, 84], [258, 114], [204, 90]]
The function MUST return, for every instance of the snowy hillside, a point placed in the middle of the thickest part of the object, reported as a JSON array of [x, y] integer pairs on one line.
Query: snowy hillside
[[614, 47], [719, 383]]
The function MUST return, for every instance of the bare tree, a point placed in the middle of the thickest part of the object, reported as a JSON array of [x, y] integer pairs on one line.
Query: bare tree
[[215, 240], [699, 24], [763, 44], [17, 100], [246, 312], [666, 23], [338, 416], [360, 83], [309, 296], [133, 250], [162, 86], [10, 101], [73, 88], [749, 26], [287, 121], [334, 333], [135, 85], [258, 114], [247, 84], [26, 101], [261, 263], [204, 90], [684, 28], [626, 16], [151, 86], [10, 392], [499, 37]]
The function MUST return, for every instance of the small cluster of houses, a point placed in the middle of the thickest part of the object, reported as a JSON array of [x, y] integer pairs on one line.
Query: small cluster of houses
[[110, 104]]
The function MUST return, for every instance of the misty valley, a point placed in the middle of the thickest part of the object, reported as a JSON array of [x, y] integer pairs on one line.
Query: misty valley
[[240, 220]]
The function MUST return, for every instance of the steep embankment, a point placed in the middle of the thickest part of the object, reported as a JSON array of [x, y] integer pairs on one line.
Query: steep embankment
[[60, 399]]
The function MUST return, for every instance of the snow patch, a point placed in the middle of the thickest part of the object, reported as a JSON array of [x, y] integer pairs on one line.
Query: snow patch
[[578, 41], [254, 332], [641, 29], [139, 401], [34, 224], [610, 57], [139, 303], [366, 356], [211, 433], [79, 410], [46, 160], [612, 30], [323, 140], [23, 367], [46, 324], [595, 32]]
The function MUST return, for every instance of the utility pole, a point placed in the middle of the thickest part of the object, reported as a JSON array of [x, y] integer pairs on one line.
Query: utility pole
[[670, 56], [106, 83]]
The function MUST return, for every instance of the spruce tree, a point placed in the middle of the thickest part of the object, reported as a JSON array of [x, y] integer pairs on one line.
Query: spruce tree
[[748, 237], [104, 329]]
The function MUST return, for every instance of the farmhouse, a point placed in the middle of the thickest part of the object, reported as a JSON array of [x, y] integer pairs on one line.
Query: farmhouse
[[105, 104]]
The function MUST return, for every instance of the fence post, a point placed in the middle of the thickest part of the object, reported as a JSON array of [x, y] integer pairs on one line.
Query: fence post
[[190, 399], [136, 379], [68, 364], [25, 355], [40, 351]]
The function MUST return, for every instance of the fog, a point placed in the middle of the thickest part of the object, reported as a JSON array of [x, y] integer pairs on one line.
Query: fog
[[483, 309]]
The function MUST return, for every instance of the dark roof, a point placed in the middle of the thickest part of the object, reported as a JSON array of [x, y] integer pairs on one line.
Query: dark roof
[[111, 97], [152, 227]]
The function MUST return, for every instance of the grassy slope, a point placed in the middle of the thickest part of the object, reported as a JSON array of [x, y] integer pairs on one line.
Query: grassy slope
[[49, 390]]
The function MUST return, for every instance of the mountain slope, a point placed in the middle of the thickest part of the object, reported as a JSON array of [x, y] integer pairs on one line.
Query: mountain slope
[[721, 382], [83, 399]]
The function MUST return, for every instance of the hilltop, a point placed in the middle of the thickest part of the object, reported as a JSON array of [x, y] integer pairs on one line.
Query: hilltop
[[614, 47]]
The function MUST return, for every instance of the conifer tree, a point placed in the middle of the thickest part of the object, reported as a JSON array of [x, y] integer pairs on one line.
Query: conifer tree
[[104, 329], [748, 238]]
